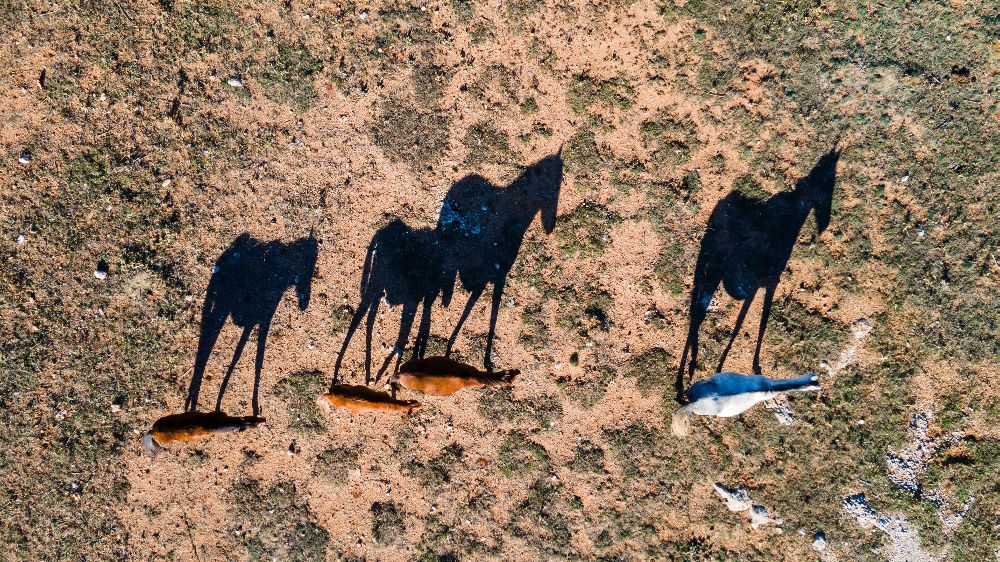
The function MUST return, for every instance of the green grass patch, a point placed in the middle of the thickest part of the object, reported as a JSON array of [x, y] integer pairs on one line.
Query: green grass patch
[[300, 391], [519, 455], [288, 77], [275, 522], [585, 91]]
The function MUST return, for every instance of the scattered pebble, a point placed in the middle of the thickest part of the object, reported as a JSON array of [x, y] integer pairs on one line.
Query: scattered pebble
[[738, 500], [21, 239], [819, 541], [166, 183], [24, 158], [782, 411], [235, 82], [102, 270], [363, 15], [905, 178]]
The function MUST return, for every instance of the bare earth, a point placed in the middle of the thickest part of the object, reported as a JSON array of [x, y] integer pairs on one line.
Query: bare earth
[[342, 117]]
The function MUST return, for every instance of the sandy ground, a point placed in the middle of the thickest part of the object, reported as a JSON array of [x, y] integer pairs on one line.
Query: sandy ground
[[321, 171]]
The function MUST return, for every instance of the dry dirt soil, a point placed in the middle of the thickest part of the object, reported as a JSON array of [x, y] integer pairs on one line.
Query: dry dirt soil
[[139, 139]]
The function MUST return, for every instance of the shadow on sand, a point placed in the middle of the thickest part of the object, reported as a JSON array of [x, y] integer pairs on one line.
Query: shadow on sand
[[478, 235], [247, 285], [746, 247]]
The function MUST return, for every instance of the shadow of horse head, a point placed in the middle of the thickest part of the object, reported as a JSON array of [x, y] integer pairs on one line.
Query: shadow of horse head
[[247, 284], [746, 247]]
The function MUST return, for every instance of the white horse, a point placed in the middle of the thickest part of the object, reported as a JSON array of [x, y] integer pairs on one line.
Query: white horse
[[730, 394]]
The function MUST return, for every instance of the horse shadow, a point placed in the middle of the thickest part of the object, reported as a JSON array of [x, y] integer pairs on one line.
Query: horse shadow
[[746, 247], [402, 267], [476, 240], [481, 228], [248, 282]]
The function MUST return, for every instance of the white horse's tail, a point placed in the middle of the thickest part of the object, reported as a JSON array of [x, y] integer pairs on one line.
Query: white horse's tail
[[681, 424]]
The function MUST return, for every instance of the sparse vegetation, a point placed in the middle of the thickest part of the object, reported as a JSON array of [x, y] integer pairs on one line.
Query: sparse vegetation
[[499, 404], [518, 455], [300, 391], [274, 522], [653, 370], [388, 524], [485, 144], [335, 463], [140, 139], [588, 457], [410, 134], [436, 472], [585, 232]]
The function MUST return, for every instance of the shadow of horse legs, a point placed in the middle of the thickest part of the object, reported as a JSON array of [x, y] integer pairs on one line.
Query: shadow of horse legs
[[402, 267]]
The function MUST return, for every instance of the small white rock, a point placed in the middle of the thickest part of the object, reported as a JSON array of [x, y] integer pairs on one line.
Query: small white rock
[[235, 82], [819, 541], [24, 158], [102, 275], [363, 15], [166, 183], [21, 240]]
